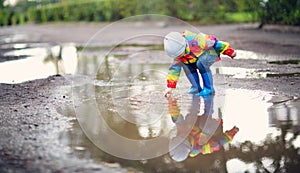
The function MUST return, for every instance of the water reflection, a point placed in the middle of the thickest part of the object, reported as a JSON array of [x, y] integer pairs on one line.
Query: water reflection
[[199, 130], [128, 99], [206, 133], [237, 72], [13, 38], [285, 114], [22, 63]]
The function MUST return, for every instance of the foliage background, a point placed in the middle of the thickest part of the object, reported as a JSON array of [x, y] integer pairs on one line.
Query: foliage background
[[200, 11]]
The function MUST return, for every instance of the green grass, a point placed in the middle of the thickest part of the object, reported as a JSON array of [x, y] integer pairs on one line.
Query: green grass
[[240, 17]]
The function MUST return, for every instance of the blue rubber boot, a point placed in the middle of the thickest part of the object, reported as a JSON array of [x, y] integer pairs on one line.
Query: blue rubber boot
[[194, 80], [208, 88]]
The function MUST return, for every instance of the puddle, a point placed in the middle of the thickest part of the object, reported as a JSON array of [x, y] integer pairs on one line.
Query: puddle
[[122, 113], [244, 54], [21, 62], [283, 74], [137, 112], [238, 72], [285, 62], [13, 38]]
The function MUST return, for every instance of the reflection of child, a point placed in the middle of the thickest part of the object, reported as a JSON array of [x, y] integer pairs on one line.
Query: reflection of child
[[202, 145], [200, 135], [194, 52]]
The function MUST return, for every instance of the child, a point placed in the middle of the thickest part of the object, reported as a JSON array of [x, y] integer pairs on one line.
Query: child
[[194, 52]]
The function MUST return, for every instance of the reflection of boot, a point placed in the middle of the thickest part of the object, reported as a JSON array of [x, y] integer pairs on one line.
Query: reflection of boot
[[195, 106], [208, 88], [194, 80], [208, 105]]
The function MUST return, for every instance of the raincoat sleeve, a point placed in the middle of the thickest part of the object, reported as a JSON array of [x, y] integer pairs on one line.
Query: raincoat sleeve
[[174, 110], [173, 74], [214, 143], [224, 48]]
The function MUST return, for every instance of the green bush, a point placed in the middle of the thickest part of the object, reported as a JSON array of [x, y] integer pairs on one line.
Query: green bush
[[281, 12], [201, 11], [4, 17]]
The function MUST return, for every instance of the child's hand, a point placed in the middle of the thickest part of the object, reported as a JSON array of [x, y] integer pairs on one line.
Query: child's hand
[[167, 92]]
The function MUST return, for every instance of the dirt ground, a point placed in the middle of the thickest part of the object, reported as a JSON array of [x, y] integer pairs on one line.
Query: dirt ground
[[30, 127], [30, 124]]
